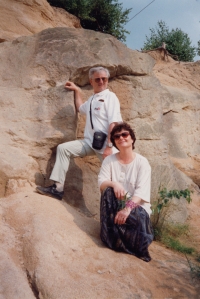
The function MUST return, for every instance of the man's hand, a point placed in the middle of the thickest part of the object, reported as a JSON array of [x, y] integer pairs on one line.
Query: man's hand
[[107, 152], [71, 86], [122, 215], [77, 93]]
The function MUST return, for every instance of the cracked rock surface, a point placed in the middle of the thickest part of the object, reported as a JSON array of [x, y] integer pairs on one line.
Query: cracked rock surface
[[49, 250]]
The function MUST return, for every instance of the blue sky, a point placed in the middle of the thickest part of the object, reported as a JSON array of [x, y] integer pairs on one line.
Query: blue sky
[[182, 14]]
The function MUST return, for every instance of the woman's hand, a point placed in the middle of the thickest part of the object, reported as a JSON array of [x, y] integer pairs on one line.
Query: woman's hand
[[118, 190], [122, 215]]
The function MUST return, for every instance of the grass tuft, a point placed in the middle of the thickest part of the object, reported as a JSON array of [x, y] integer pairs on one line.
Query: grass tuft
[[175, 244]]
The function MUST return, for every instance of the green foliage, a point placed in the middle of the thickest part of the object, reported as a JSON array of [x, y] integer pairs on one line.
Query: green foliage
[[170, 235], [163, 201], [78, 8], [167, 233], [177, 42], [175, 244], [198, 48], [106, 16], [122, 202]]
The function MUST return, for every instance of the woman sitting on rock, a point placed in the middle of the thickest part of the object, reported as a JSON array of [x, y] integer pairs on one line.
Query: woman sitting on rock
[[124, 180]]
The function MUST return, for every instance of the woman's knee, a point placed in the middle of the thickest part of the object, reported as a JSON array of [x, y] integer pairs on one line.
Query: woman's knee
[[108, 190]]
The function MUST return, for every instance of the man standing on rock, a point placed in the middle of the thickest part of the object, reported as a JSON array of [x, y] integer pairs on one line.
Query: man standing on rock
[[102, 112]]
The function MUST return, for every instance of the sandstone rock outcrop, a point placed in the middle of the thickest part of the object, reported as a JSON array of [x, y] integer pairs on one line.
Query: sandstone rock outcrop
[[26, 17], [181, 113], [38, 113]]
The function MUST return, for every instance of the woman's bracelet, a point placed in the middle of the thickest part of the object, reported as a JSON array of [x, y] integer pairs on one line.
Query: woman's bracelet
[[131, 204]]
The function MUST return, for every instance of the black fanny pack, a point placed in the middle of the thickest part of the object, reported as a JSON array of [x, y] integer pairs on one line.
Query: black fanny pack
[[98, 140]]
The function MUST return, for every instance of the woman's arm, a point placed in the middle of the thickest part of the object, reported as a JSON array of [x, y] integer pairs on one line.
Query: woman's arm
[[117, 187], [105, 179], [122, 215], [142, 192]]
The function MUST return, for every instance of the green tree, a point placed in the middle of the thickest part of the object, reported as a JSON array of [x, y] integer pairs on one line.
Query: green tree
[[198, 49], [177, 42], [78, 8], [106, 16]]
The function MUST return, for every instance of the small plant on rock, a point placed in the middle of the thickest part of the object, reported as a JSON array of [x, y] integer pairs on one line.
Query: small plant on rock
[[164, 199], [172, 235], [122, 202]]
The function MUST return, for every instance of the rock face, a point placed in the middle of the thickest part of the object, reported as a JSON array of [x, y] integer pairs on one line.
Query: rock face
[[26, 17], [38, 113], [181, 113]]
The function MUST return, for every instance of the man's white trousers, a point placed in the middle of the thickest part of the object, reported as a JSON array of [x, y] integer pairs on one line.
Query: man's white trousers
[[76, 148]]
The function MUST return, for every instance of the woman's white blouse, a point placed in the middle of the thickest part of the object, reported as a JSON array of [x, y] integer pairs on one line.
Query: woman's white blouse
[[135, 177]]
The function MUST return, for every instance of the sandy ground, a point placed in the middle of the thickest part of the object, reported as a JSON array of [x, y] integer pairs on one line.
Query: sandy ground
[[62, 253]]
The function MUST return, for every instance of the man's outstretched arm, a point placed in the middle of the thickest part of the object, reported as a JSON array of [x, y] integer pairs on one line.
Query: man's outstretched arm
[[77, 93]]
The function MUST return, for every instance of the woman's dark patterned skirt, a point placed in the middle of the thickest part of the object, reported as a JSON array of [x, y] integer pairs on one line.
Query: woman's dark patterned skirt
[[134, 236]]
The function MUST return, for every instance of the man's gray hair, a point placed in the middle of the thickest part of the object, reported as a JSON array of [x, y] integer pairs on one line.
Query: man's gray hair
[[98, 69]]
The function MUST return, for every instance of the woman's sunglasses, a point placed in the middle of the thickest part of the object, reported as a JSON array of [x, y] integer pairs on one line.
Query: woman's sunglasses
[[124, 135], [104, 79]]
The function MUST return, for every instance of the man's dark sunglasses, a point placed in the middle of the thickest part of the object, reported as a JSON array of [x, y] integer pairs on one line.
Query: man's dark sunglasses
[[124, 135], [104, 79]]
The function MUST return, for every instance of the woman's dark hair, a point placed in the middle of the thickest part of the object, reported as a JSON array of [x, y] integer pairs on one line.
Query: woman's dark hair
[[118, 128]]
